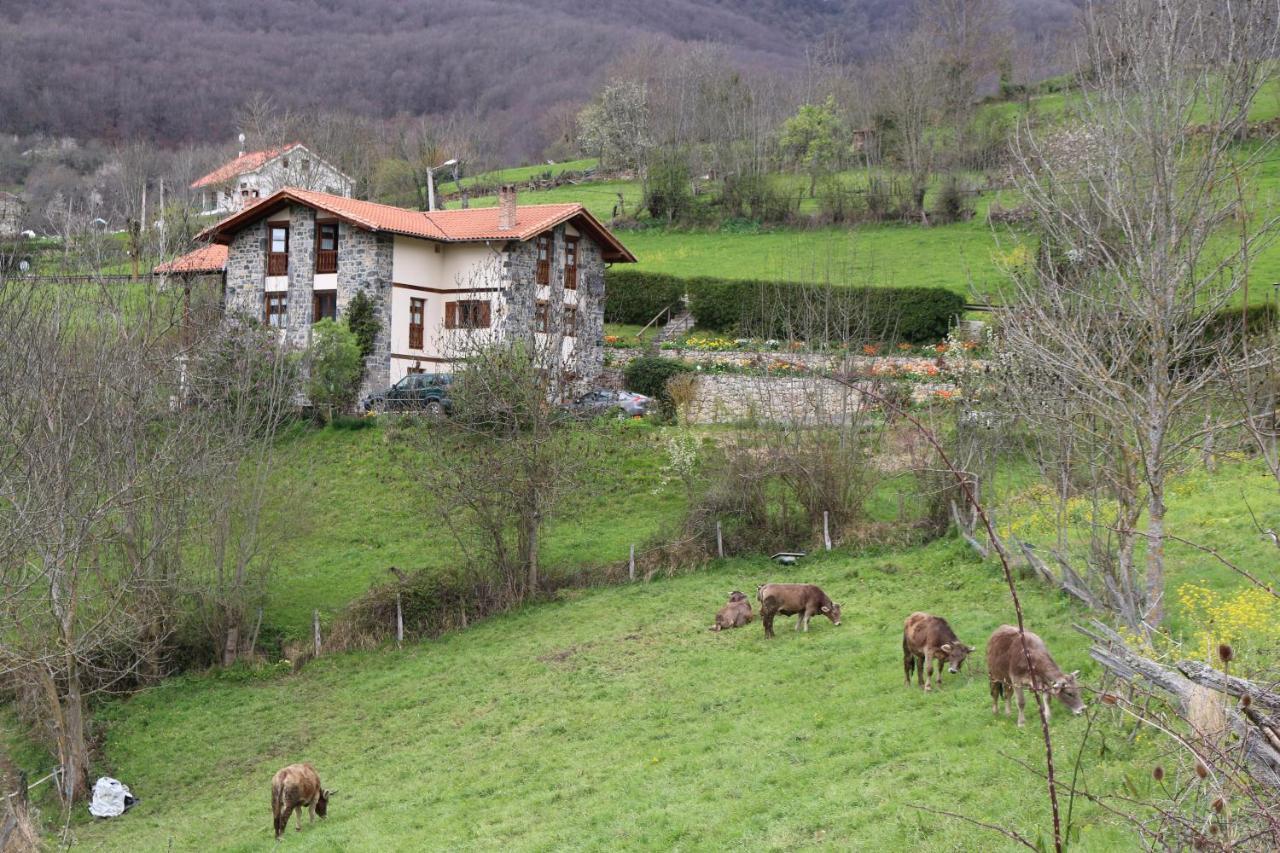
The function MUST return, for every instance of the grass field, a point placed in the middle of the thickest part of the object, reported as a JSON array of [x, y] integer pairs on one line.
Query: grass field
[[612, 719], [367, 513]]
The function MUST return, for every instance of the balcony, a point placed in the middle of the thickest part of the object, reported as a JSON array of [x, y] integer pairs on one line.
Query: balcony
[[326, 261], [277, 263]]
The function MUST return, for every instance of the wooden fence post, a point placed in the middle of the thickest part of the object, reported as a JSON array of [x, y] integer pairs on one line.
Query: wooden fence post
[[719, 540], [631, 563], [826, 529], [399, 623], [315, 626]]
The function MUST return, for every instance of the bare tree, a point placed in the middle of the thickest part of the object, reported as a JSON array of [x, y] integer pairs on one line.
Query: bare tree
[[94, 469], [1110, 333], [240, 386]]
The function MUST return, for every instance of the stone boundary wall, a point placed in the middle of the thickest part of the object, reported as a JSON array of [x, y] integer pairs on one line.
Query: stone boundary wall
[[843, 363]]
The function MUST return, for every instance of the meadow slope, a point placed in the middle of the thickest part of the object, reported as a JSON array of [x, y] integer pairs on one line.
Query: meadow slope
[[612, 719]]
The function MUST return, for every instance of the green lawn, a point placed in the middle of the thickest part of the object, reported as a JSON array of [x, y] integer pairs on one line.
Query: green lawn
[[524, 173], [362, 511], [960, 257], [612, 719]]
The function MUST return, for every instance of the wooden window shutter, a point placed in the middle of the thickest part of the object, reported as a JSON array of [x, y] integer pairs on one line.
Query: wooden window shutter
[[451, 315], [485, 319]]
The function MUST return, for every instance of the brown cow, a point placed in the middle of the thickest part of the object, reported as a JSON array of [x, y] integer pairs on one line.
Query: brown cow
[[735, 614], [1007, 668], [801, 599], [925, 639], [293, 788]]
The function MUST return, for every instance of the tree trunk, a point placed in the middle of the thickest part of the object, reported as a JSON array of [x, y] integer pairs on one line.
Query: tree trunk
[[231, 644], [1155, 554]]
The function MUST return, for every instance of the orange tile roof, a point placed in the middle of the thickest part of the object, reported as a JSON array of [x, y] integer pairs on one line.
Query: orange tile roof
[[240, 165], [446, 226], [205, 259]]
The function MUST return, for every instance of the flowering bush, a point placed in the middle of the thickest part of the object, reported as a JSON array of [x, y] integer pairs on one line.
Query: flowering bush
[[709, 344], [870, 349], [1248, 620]]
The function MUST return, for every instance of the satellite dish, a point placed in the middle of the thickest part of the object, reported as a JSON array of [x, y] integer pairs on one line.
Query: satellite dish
[[242, 139]]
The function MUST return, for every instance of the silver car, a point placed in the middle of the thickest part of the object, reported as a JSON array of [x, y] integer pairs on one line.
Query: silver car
[[605, 401]]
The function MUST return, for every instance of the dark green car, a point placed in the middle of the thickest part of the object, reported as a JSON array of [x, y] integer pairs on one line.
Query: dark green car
[[426, 393]]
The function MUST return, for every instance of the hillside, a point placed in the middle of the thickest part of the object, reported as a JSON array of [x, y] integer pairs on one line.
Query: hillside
[[612, 719], [178, 70]]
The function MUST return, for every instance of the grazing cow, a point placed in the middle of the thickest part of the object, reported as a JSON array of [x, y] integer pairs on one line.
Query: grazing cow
[[1007, 668], [925, 639], [799, 599], [735, 614], [295, 787]]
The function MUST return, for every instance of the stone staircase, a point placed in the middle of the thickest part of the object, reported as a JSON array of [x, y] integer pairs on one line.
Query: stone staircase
[[675, 328]]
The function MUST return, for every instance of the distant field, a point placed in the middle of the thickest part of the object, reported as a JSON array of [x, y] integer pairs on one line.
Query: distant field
[[960, 257]]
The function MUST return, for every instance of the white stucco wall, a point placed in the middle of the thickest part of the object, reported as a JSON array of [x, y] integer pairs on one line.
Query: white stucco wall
[[437, 273]]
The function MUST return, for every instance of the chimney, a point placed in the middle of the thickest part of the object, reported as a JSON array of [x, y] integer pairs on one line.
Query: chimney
[[506, 207]]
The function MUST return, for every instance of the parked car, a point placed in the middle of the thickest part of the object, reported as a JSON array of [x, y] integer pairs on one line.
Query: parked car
[[427, 393], [604, 401]]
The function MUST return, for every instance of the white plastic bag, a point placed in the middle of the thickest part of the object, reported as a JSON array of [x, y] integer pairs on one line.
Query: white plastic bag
[[110, 798]]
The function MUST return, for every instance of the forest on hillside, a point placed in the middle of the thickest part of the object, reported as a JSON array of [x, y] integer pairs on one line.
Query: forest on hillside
[[176, 71]]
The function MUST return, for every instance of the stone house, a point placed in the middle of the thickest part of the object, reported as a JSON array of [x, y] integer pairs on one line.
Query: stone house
[[255, 175], [438, 279], [12, 210]]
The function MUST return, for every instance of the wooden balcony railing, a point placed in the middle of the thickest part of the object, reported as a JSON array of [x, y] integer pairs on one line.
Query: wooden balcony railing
[[277, 263], [326, 261]]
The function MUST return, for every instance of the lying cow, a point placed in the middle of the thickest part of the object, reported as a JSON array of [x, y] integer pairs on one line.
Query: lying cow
[[1007, 668], [295, 787], [925, 639], [799, 599], [735, 614]]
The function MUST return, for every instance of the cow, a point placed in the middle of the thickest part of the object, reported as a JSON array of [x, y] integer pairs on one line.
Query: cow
[[1007, 669], [800, 599], [925, 639], [735, 614], [293, 788]]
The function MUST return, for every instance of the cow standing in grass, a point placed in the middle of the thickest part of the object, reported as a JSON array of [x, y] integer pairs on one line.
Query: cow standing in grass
[[1011, 667], [925, 639], [803, 600], [293, 788], [735, 614]]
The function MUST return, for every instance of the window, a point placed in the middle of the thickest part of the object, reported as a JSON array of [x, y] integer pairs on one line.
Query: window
[[416, 371], [306, 166], [324, 305], [541, 318], [326, 247], [544, 260], [571, 320], [570, 263], [467, 314], [277, 249], [275, 309], [417, 311]]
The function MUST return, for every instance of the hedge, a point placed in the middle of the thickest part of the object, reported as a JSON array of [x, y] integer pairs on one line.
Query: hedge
[[631, 296], [787, 310], [820, 312], [649, 375]]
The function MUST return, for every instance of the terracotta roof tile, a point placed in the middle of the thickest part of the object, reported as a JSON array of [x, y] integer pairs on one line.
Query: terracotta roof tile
[[446, 226], [206, 259], [240, 165]]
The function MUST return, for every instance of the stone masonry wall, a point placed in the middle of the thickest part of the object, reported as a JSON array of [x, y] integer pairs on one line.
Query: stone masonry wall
[[520, 270], [302, 274], [809, 400], [364, 264], [246, 271]]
